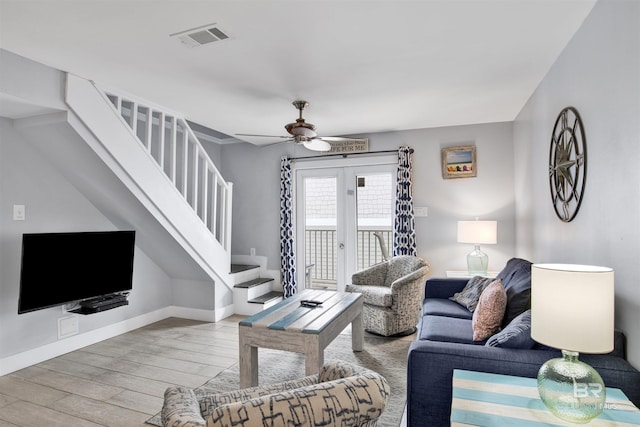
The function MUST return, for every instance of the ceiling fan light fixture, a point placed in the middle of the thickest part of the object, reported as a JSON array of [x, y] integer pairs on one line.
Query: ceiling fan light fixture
[[300, 128], [317, 145]]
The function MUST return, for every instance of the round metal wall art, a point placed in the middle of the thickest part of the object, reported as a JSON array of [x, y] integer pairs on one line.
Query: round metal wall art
[[567, 164]]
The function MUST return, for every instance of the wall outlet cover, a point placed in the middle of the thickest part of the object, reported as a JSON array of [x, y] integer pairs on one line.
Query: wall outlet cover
[[67, 326], [421, 211]]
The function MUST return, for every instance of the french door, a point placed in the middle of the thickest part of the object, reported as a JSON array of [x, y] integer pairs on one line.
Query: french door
[[344, 219]]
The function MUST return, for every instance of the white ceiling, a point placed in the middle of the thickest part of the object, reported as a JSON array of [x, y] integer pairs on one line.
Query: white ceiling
[[364, 66]]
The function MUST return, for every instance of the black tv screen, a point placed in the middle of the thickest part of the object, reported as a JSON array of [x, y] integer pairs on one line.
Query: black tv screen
[[59, 268]]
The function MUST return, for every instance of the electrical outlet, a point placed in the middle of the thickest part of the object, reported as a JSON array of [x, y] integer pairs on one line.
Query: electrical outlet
[[67, 326], [253, 251]]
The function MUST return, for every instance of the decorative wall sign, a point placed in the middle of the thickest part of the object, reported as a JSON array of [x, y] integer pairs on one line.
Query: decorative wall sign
[[360, 145], [567, 164], [459, 162]]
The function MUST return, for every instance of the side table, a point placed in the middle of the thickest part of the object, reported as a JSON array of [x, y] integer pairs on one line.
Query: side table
[[465, 274], [482, 399]]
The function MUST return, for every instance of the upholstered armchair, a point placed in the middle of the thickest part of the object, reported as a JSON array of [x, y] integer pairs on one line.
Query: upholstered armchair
[[393, 292], [340, 395]]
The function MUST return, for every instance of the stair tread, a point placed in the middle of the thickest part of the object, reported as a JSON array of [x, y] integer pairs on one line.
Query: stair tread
[[237, 268], [254, 282], [262, 299]]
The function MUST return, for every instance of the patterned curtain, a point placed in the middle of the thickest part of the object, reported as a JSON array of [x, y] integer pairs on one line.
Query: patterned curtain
[[287, 242], [404, 232]]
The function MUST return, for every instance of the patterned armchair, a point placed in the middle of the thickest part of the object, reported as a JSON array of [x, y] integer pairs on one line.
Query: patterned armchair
[[393, 292], [341, 394]]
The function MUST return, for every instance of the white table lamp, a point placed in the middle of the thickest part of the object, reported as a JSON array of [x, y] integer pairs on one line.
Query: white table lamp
[[477, 232], [572, 308]]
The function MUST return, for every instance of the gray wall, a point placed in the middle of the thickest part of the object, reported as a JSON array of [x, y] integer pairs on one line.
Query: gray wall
[[52, 204], [599, 74], [255, 173]]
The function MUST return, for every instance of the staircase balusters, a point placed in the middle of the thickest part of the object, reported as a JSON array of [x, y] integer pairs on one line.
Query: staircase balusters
[[194, 175]]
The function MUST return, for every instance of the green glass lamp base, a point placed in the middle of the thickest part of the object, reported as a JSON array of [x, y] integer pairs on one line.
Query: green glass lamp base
[[571, 389], [477, 262]]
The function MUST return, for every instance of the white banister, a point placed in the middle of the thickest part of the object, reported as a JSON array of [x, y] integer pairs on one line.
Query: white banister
[[149, 129], [134, 117], [213, 210], [174, 148]]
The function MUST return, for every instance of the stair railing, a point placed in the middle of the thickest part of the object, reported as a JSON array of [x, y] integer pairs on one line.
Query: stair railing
[[172, 144]]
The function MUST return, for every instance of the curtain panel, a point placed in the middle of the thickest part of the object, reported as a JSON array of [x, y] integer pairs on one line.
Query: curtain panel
[[287, 241], [404, 233]]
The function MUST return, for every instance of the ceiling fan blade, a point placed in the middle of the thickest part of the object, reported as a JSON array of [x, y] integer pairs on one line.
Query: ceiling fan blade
[[264, 136], [339, 139], [316, 144], [275, 143]]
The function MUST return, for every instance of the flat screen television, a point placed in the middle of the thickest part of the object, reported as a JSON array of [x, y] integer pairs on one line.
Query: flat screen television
[[60, 268]]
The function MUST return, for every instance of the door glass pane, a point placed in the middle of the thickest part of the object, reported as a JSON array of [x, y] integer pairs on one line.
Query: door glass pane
[[374, 199], [320, 207]]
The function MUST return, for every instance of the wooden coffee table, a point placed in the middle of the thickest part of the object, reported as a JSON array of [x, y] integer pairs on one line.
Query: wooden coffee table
[[289, 326]]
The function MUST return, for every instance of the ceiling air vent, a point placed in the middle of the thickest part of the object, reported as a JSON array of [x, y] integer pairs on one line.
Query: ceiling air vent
[[201, 35]]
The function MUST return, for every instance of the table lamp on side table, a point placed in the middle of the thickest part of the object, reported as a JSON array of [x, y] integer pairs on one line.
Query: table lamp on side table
[[572, 309], [477, 232]]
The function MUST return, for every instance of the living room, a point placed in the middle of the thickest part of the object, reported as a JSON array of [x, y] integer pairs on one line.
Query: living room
[[596, 72]]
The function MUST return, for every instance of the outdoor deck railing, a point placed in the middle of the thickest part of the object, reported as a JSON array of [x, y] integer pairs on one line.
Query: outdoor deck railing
[[321, 247]]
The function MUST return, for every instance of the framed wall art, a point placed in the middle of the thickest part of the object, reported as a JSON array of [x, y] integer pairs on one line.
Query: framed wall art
[[459, 162]]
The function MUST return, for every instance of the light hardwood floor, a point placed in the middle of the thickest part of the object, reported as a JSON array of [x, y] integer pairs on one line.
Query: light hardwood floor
[[119, 382]]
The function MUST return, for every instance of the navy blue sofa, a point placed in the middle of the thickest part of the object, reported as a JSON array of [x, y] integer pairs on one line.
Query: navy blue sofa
[[445, 342]]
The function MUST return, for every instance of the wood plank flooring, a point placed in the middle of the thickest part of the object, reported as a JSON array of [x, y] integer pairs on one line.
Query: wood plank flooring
[[121, 381]]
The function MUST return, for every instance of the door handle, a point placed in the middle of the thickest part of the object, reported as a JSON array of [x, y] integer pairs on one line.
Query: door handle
[[341, 246]]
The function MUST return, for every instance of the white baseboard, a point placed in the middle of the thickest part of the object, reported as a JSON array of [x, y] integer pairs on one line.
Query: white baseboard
[[60, 347], [192, 313], [223, 312]]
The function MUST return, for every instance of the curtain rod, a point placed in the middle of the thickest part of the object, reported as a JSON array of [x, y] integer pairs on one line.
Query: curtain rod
[[344, 155]]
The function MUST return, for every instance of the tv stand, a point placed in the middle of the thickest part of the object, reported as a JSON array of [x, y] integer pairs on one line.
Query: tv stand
[[103, 303]]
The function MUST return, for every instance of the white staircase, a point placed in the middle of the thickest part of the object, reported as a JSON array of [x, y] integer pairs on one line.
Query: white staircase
[[255, 288], [177, 156], [154, 152], [169, 140]]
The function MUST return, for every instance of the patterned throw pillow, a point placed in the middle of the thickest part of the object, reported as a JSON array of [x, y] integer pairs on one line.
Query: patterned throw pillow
[[517, 334], [490, 311], [470, 295]]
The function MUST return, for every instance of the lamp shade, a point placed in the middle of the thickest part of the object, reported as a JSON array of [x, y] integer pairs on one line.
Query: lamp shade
[[477, 232], [572, 307]]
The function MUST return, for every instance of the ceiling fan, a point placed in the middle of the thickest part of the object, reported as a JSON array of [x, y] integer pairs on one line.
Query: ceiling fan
[[304, 133]]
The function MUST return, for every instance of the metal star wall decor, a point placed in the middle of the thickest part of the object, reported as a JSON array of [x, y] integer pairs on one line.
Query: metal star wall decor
[[567, 164]]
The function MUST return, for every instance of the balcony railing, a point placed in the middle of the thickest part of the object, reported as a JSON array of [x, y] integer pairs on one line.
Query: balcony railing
[[321, 247]]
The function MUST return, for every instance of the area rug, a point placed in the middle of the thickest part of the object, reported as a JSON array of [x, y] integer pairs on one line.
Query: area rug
[[387, 356]]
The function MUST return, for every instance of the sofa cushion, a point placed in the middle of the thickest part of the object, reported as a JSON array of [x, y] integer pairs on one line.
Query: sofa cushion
[[490, 311], [516, 279], [447, 329], [517, 334], [470, 295], [445, 307], [380, 296]]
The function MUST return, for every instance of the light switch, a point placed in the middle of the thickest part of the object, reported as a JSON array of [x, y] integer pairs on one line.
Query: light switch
[[18, 213], [420, 211]]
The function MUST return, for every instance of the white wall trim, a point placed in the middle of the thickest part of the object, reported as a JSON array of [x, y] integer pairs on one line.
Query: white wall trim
[[223, 312], [58, 348]]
